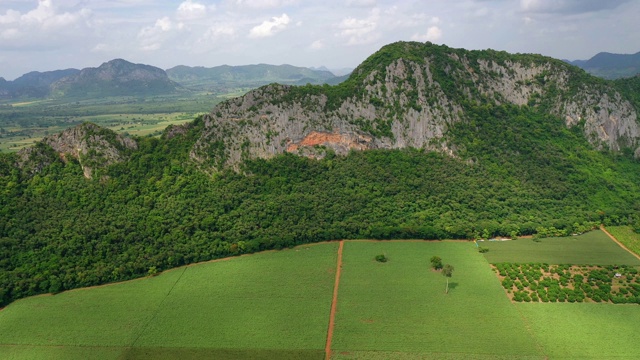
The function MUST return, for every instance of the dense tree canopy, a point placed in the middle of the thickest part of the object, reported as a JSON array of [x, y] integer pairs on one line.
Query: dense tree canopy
[[516, 170]]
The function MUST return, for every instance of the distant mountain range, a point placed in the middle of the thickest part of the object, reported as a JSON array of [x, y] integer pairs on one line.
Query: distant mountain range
[[122, 78], [610, 66], [225, 77]]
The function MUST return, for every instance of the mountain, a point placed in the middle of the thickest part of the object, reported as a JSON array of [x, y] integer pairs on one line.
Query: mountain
[[611, 66], [225, 77], [33, 84], [411, 95], [421, 142], [115, 78]]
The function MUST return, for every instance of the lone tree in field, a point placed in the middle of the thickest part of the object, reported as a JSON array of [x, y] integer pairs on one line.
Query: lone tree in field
[[447, 271], [436, 262]]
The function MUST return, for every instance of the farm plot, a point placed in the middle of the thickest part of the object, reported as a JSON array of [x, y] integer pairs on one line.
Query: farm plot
[[271, 301], [584, 331], [572, 283], [263, 306], [594, 248], [627, 237], [399, 309]]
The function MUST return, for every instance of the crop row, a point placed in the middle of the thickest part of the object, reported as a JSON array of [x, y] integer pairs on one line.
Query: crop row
[[539, 282]]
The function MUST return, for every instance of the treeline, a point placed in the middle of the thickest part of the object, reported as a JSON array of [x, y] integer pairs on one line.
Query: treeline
[[516, 171]]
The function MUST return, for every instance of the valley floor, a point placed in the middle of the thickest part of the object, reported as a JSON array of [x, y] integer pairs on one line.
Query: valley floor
[[278, 305]]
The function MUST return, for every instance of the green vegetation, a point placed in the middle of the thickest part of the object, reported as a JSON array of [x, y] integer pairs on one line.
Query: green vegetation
[[270, 304], [572, 283], [401, 307], [436, 262], [22, 123], [594, 248], [627, 236], [381, 258], [276, 305], [584, 331]]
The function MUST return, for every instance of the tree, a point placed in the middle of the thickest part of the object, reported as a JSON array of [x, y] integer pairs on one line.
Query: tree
[[436, 262], [447, 271]]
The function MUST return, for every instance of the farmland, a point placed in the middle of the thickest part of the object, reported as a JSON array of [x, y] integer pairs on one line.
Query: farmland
[[263, 306], [25, 122], [627, 237], [594, 247], [277, 305]]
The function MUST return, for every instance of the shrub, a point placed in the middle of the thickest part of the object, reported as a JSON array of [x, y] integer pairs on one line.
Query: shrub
[[381, 258], [436, 262], [483, 249]]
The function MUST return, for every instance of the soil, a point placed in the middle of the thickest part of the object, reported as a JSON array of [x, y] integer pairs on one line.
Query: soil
[[334, 303]]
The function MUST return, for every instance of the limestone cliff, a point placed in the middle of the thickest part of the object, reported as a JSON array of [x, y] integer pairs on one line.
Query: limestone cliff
[[407, 95], [91, 145]]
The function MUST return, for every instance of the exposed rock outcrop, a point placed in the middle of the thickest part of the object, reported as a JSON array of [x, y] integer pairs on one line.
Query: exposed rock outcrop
[[88, 143], [407, 95]]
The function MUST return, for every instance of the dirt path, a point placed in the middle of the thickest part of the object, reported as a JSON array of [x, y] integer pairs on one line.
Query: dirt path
[[618, 242], [334, 303]]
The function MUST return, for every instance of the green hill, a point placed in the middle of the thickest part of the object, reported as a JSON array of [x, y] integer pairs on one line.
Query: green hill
[[422, 141]]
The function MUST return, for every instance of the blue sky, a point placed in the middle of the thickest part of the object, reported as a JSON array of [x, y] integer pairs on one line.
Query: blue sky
[[47, 35]]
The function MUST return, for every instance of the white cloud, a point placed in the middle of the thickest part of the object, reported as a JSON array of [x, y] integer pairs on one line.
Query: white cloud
[[317, 45], [360, 31], [433, 33], [270, 28], [264, 4], [152, 37], [219, 30], [362, 3], [190, 10]]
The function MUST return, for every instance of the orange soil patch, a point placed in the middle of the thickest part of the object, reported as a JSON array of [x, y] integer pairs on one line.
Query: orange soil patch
[[334, 304]]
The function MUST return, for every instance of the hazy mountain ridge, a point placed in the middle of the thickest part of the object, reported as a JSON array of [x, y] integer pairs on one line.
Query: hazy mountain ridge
[[408, 95], [33, 84], [611, 66], [115, 78], [226, 76]]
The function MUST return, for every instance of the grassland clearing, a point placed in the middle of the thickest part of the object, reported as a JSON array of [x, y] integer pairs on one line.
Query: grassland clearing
[[627, 237], [594, 247], [400, 306]]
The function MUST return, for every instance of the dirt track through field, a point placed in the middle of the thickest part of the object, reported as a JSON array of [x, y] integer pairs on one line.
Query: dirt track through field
[[618, 242], [334, 303]]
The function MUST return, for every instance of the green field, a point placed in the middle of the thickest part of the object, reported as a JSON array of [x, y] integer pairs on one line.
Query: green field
[[626, 236], [276, 305], [22, 123], [594, 247], [584, 331], [401, 307], [269, 305]]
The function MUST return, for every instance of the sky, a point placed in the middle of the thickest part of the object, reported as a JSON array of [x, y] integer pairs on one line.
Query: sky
[[44, 35]]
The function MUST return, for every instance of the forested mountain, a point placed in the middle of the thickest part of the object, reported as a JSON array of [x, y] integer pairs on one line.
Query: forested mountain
[[115, 78], [33, 84], [611, 66], [422, 141], [221, 78]]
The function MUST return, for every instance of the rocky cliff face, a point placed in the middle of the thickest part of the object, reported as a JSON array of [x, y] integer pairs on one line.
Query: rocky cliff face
[[91, 145], [407, 95]]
